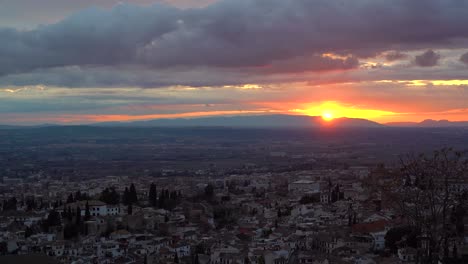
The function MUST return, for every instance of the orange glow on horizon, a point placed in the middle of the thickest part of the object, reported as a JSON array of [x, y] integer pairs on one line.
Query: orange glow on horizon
[[330, 110], [326, 110], [98, 118], [125, 118]]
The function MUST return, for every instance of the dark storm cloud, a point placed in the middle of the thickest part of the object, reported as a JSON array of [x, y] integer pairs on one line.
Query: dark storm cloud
[[315, 63], [464, 58], [92, 37], [235, 34], [395, 55], [30, 13], [76, 76], [427, 59]]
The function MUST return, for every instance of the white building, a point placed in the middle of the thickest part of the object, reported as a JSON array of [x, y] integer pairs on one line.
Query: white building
[[303, 186], [379, 240], [96, 208]]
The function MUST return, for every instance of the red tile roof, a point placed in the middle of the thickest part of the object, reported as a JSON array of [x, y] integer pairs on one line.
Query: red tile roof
[[370, 227]]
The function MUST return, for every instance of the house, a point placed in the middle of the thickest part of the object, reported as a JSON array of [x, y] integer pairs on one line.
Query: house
[[304, 257], [223, 254], [109, 248], [181, 249], [303, 186], [379, 240], [276, 257], [96, 208], [376, 230], [56, 249], [407, 254]]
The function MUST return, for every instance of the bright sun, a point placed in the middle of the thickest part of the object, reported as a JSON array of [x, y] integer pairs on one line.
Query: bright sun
[[330, 110], [327, 116]]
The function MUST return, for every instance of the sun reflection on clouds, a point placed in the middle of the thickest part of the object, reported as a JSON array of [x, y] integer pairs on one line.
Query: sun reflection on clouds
[[427, 82], [22, 89]]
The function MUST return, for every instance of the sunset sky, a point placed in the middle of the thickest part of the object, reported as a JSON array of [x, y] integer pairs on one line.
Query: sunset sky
[[74, 62]]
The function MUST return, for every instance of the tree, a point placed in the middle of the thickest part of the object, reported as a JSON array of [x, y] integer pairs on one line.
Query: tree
[[31, 204], [133, 194], [70, 231], [28, 232], [458, 219], [424, 194], [173, 195], [53, 219], [87, 212], [161, 201], [81, 196], [130, 209], [69, 214], [455, 251], [78, 216], [209, 191], [406, 234], [126, 196], [10, 204], [3, 248], [261, 260], [153, 196], [307, 199], [195, 259], [70, 198], [110, 196]]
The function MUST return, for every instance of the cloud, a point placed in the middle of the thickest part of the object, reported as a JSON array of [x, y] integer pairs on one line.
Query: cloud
[[464, 58], [395, 55], [227, 42], [18, 13], [91, 37], [315, 63], [427, 59], [395, 96]]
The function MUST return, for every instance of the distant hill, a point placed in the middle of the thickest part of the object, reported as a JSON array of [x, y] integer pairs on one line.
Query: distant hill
[[7, 127], [279, 121], [429, 123], [263, 121]]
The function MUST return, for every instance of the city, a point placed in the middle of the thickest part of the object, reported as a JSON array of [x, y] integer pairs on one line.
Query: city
[[318, 200]]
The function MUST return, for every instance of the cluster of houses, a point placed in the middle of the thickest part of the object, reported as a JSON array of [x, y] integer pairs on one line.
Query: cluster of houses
[[316, 217]]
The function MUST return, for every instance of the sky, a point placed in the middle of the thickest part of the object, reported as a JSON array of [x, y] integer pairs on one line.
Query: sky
[[79, 62]]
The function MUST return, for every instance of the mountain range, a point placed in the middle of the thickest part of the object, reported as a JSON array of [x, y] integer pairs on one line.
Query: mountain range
[[267, 121], [259, 121], [430, 123]]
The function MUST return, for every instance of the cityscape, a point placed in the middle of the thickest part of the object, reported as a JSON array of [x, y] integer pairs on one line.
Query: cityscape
[[153, 195], [233, 132]]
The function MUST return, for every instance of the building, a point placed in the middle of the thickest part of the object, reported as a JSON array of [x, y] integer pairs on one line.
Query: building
[[96, 208], [304, 186], [407, 254]]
